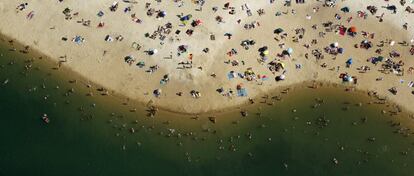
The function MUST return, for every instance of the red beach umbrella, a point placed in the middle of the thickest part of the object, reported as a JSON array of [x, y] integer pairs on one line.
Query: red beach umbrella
[[353, 29]]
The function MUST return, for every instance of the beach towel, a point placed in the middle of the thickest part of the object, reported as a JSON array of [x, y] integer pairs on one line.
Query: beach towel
[[265, 78], [342, 30], [242, 92], [230, 75]]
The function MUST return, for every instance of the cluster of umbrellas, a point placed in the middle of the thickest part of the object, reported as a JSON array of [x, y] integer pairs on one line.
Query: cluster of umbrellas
[[352, 31], [375, 60], [276, 66]]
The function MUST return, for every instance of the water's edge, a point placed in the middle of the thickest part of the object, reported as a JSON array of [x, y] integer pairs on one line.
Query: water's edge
[[114, 94]]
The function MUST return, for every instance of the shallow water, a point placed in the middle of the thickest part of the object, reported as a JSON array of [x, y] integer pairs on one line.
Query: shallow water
[[92, 135]]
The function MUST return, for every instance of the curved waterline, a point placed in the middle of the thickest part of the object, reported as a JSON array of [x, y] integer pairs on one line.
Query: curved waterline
[[185, 104], [63, 72], [300, 134]]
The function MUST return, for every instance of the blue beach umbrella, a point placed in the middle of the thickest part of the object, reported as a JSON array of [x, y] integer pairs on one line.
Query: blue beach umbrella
[[186, 18], [349, 61]]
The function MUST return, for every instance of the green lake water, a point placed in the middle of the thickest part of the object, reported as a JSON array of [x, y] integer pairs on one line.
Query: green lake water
[[300, 134]]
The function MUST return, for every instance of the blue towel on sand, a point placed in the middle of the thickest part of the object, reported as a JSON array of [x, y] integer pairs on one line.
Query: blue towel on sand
[[230, 75], [242, 92]]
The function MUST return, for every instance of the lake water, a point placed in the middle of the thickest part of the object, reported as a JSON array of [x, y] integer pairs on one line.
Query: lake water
[[300, 133]]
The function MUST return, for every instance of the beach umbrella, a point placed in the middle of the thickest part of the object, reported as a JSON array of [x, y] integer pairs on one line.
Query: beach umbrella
[[336, 44], [285, 52], [391, 7], [282, 65], [239, 86], [266, 52], [141, 64], [162, 14], [100, 14], [349, 61], [345, 9], [108, 38], [278, 13], [199, 22], [152, 52], [129, 58], [262, 49], [290, 50], [350, 79], [278, 31], [248, 72], [344, 78], [352, 29], [157, 92]]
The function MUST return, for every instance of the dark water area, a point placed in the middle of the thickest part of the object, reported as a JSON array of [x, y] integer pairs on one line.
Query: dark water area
[[303, 132]]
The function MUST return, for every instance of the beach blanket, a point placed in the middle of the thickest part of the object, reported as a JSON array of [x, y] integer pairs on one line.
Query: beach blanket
[[264, 78], [242, 92], [230, 75], [342, 31]]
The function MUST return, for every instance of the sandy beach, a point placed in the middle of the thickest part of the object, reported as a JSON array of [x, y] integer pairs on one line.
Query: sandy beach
[[202, 56]]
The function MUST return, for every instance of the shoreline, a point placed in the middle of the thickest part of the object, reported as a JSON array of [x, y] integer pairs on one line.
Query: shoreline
[[211, 102], [275, 92]]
